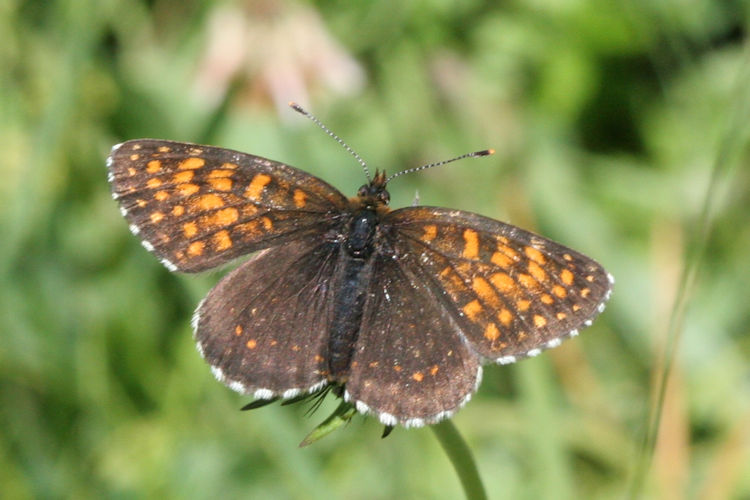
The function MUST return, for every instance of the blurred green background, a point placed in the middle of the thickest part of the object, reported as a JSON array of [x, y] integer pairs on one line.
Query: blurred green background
[[621, 130]]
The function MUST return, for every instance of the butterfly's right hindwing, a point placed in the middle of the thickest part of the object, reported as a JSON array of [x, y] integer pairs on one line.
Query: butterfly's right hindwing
[[264, 327]]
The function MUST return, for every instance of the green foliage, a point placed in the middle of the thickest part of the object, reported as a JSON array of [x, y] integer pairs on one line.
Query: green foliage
[[620, 128]]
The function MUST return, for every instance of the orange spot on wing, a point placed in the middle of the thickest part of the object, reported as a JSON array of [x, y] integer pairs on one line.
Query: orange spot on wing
[[434, 370], [164, 149], [153, 166], [196, 249], [229, 166], [220, 173], [248, 209], [191, 163], [559, 291], [491, 332], [131, 171], [251, 344], [539, 321], [300, 198], [561, 316], [210, 202], [134, 157], [153, 183], [504, 283], [485, 291], [535, 255], [566, 276], [267, 223], [527, 281], [221, 184], [585, 292], [188, 189], [157, 217], [178, 210], [523, 305], [226, 216], [222, 240], [536, 271], [418, 376], [430, 231], [508, 251], [161, 195], [142, 203], [502, 260], [505, 317], [471, 244], [238, 330], [547, 299], [183, 177], [190, 229], [256, 186], [472, 309]]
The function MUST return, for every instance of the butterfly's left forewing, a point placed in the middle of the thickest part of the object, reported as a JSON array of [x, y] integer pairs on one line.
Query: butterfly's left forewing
[[197, 207], [511, 293]]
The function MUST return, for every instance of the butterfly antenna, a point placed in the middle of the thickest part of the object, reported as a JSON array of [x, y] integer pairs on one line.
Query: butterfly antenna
[[299, 109], [475, 154]]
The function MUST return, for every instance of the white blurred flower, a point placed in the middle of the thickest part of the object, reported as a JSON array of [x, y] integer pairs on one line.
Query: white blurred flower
[[284, 51]]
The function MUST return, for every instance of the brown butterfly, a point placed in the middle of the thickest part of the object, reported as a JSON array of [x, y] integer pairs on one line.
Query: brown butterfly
[[396, 309]]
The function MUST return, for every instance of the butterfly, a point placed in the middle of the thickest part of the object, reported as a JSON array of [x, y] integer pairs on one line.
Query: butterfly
[[396, 309]]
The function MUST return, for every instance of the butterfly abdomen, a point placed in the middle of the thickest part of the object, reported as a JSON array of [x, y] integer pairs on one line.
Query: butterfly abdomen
[[354, 270]]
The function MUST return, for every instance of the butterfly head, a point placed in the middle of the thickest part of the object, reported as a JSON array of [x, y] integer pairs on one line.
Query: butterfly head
[[374, 194]]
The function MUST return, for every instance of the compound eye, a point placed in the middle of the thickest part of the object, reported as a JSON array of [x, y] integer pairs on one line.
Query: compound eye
[[385, 197]]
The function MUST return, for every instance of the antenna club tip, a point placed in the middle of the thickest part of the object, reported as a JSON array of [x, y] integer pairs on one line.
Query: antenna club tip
[[485, 152], [295, 106]]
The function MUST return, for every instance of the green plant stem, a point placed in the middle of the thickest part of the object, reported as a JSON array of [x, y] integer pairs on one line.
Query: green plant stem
[[460, 456]]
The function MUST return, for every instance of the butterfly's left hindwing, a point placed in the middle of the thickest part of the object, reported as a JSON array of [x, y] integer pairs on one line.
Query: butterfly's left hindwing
[[196, 206]]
